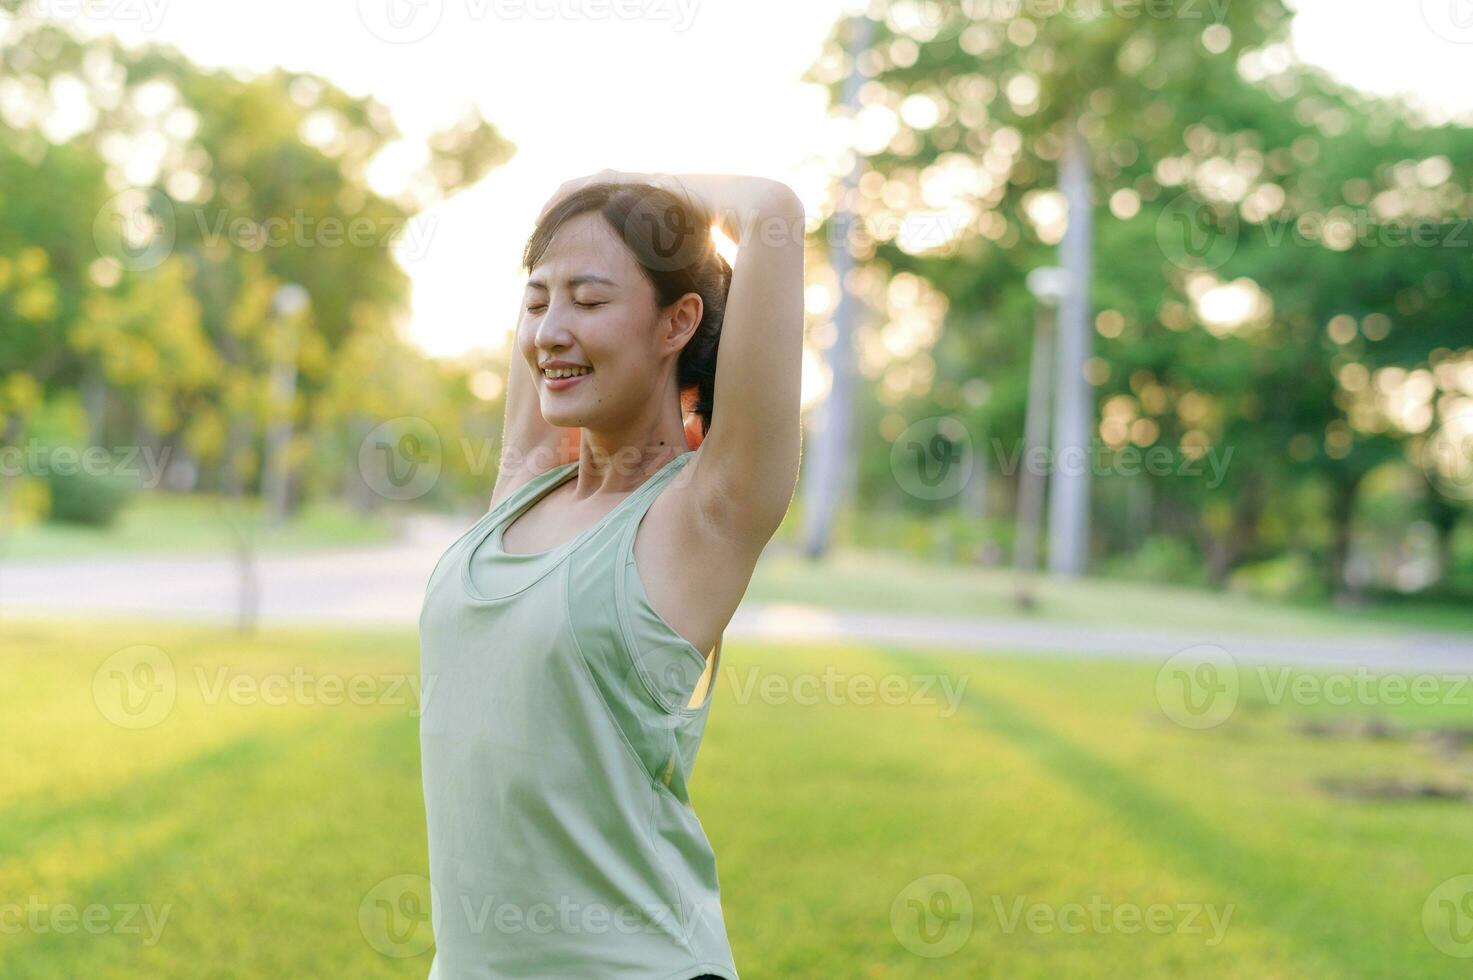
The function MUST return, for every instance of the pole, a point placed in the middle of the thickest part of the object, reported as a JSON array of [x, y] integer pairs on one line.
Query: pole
[[1073, 396], [827, 469], [1031, 478]]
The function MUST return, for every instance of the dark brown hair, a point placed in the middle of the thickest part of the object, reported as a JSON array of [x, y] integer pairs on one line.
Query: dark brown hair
[[670, 239]]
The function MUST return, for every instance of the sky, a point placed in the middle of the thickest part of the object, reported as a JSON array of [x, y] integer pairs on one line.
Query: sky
[[674, 86]]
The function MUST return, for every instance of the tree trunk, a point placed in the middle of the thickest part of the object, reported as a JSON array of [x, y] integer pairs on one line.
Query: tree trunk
[[13, 433], [1444, 517], [359, 494], [94, 400], [1342, 520], [1031, 481], [1242, 538]]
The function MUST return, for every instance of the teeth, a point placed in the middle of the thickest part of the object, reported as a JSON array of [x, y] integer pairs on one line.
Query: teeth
[[564, 372]]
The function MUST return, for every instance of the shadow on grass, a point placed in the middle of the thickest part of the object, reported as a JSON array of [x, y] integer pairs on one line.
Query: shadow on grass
[[240, 829], [1275, 896]]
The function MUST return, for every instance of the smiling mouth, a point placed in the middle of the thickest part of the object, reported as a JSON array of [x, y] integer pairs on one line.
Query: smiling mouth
[[559, 379], [560, 374]]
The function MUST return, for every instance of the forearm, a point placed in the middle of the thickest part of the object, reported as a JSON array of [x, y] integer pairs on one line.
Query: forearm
[[745, 206], [529, 443]]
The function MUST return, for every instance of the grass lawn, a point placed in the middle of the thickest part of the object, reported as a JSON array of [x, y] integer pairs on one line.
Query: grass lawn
[[1053, 798], [158, 523]]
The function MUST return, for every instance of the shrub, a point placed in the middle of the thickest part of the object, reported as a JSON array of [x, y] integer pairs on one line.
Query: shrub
[[87, 498], [1168, 560], [1288, 576]]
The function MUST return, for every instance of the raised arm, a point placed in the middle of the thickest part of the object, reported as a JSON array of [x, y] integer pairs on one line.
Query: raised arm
[[529, 443], [747, 466]]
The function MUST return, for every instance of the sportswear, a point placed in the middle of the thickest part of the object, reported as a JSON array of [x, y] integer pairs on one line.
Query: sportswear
[[557, 741]]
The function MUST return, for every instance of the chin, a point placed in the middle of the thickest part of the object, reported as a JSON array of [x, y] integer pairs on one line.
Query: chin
[[564, 419]]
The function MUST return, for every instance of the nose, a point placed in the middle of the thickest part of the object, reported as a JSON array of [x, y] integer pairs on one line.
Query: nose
[[552, 333]]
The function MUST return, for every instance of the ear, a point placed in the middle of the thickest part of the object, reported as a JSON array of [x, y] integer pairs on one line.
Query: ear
[[681, 320]]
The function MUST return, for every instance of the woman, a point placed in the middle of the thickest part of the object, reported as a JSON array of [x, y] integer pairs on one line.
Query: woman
[[564, 633]]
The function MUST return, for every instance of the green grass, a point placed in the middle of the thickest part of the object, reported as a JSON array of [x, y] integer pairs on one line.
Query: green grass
[[260, 828], [877, 581], [161, 523]]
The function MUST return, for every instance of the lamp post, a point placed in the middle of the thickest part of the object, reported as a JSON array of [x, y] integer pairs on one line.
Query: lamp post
[[290, 300], [827, 457], [1048, 286], [1068, 505]]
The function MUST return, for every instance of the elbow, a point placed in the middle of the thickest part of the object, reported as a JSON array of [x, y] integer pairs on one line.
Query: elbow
[[779, 198]]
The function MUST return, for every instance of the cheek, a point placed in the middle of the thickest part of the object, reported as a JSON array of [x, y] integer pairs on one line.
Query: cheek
[[605, 340]]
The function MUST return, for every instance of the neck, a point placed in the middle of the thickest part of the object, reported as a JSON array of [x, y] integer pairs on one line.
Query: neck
[[614, 463]]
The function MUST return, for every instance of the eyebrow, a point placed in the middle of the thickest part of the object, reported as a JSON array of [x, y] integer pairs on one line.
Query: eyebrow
[[573, 281]]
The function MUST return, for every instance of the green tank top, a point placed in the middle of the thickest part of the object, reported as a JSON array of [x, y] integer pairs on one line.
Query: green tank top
[[556, 746]]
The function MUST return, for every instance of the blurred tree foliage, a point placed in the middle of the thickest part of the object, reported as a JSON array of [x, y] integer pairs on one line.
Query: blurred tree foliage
[[1281, 264], [199, 260], [196, 237]]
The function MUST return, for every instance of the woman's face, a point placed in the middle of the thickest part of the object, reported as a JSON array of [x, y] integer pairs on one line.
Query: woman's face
[[589, 304]]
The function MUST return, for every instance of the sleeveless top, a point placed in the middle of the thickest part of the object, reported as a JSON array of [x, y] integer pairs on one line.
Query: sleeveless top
[[556, 747]]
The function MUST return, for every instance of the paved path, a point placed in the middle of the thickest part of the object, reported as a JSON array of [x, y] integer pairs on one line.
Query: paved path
[[384, 584]]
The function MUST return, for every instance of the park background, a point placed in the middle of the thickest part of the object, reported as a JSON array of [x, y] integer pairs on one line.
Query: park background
[[1120, 624]]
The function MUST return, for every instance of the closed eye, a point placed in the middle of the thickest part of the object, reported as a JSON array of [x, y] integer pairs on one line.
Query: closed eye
[[542, 306]]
